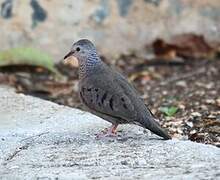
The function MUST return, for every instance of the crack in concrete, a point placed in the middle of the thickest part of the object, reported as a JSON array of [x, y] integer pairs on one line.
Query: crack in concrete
[[31, 137], [16, 151], [22, 147]]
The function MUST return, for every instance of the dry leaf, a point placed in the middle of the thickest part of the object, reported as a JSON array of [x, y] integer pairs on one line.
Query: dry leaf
[[187, 46]]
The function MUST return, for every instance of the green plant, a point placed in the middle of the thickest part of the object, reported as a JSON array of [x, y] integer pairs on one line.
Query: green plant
[[27, 56], [169, 111]]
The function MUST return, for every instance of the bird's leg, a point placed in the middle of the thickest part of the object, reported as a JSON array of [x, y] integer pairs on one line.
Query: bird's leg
[[109, 132], [112, 129]]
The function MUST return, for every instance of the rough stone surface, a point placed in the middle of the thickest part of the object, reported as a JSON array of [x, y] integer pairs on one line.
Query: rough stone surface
[[42, 140], [121, 25]]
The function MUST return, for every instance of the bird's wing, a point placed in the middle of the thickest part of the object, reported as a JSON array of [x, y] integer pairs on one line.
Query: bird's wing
[[105, 94]]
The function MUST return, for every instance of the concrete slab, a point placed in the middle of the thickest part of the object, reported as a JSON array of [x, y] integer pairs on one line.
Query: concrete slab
[[43, 140]]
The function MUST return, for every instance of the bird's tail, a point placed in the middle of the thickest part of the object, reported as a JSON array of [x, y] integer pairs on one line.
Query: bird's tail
[[153, 125]]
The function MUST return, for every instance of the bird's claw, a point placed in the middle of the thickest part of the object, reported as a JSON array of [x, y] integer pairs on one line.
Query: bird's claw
[[111, 132]]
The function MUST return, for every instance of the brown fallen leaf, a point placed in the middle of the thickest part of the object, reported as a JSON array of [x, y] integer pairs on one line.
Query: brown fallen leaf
[[164, 50], [186, 46]]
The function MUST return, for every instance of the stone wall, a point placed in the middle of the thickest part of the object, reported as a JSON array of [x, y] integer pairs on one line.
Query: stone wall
[[114, 25]]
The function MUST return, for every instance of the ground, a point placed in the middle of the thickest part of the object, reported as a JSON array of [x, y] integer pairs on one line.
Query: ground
[[42, 140]]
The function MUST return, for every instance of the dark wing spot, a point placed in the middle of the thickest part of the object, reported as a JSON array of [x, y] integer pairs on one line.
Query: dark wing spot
[[111, 103], [81, 95], [104, 97], [122, 99], [83, 90], [97, 97], [125, 106]]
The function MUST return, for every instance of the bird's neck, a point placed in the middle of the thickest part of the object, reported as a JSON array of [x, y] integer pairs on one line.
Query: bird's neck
[[89, 64]]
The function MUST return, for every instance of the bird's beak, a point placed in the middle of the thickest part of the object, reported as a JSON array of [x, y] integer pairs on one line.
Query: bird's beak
[[68, 55], [69, 59]]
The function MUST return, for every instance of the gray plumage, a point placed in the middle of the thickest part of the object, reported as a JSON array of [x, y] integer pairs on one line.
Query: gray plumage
[[107, 94]]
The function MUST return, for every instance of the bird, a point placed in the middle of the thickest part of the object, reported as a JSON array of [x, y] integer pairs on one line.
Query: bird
[[107, 93]]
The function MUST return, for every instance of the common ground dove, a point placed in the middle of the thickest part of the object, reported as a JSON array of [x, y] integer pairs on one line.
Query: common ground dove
[[107, 94]]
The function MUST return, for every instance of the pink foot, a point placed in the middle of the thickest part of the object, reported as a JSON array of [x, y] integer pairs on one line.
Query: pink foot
[[111, 132]]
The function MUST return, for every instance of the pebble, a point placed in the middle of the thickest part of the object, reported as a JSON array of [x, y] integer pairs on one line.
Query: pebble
[[190, 124], [164, 92], [211, 116], [209, 85], [196, 114], [218, 102], [181, 83], [210, 101], [193, 132], [203, 107], [181, 106]]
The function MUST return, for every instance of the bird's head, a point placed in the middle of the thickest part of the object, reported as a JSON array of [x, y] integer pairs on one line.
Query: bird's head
[[80, 52]]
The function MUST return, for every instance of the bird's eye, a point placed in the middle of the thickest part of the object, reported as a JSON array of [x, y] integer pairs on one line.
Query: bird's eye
[[78, 49]]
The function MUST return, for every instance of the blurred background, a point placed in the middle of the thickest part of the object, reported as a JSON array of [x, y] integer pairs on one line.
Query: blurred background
[[169, 50], [116, 26]]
